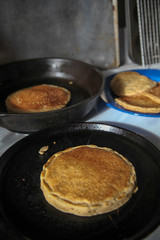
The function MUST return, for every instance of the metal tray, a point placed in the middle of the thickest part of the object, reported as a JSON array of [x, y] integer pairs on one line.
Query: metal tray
[[83, 30]]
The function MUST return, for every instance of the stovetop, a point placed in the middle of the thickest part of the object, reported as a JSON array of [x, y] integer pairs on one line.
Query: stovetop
[[148, 127]]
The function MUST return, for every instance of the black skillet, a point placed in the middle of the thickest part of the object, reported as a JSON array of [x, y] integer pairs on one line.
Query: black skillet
[[84, 82], [25, 214]]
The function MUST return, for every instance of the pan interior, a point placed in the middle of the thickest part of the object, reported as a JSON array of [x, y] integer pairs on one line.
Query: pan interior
[[23, 203], [78, 93], [80, 78]]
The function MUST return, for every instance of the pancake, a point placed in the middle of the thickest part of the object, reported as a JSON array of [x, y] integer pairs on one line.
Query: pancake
[[39, 98], [130, 83], [139, 103], [88, 180], [153, 93]]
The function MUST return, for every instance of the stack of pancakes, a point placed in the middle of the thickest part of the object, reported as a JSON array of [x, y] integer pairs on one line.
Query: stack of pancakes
[[136, 92], [87, 180]]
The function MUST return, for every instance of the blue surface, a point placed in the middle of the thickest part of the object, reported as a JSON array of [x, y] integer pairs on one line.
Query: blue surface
[[153, 74]]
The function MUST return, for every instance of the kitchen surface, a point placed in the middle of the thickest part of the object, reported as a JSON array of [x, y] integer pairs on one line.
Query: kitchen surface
[[147, 127], [118, 60]]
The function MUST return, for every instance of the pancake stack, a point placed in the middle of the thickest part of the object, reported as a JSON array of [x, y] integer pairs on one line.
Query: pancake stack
[[88, 180], [136, 92]]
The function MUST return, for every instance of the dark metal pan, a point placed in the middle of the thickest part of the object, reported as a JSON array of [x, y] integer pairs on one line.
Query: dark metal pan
[[87, 85], [25, 214]]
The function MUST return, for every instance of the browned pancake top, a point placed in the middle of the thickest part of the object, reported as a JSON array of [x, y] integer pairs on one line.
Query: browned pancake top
[[88, 174], [40, 98], [155, 91], [130, 83]]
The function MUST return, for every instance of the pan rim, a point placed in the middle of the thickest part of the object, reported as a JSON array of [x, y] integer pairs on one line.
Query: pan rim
[[67, 107]]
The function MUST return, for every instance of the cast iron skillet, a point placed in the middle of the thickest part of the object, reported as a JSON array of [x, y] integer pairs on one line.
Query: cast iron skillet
[[25, 214], [87, 84]]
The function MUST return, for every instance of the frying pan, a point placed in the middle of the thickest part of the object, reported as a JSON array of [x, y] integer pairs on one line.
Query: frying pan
[[83, 80], [24, 212]]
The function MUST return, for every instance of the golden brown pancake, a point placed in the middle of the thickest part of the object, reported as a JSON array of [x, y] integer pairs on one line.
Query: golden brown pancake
[[130, 83], [88, 180], [39, 98], [153, 93], [139, 103]]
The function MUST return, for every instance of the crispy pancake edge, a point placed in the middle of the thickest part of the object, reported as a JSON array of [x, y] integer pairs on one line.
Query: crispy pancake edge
[[83, 208], [14, 107], [136, 108]]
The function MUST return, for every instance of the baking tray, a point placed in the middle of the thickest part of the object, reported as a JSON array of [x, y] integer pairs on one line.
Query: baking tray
[[83, 30], [25, 214]]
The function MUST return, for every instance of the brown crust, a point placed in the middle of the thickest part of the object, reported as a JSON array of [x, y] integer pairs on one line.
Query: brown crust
[[139, 103], [39, 98], [88, 180], [153, 93], [130, 83]]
